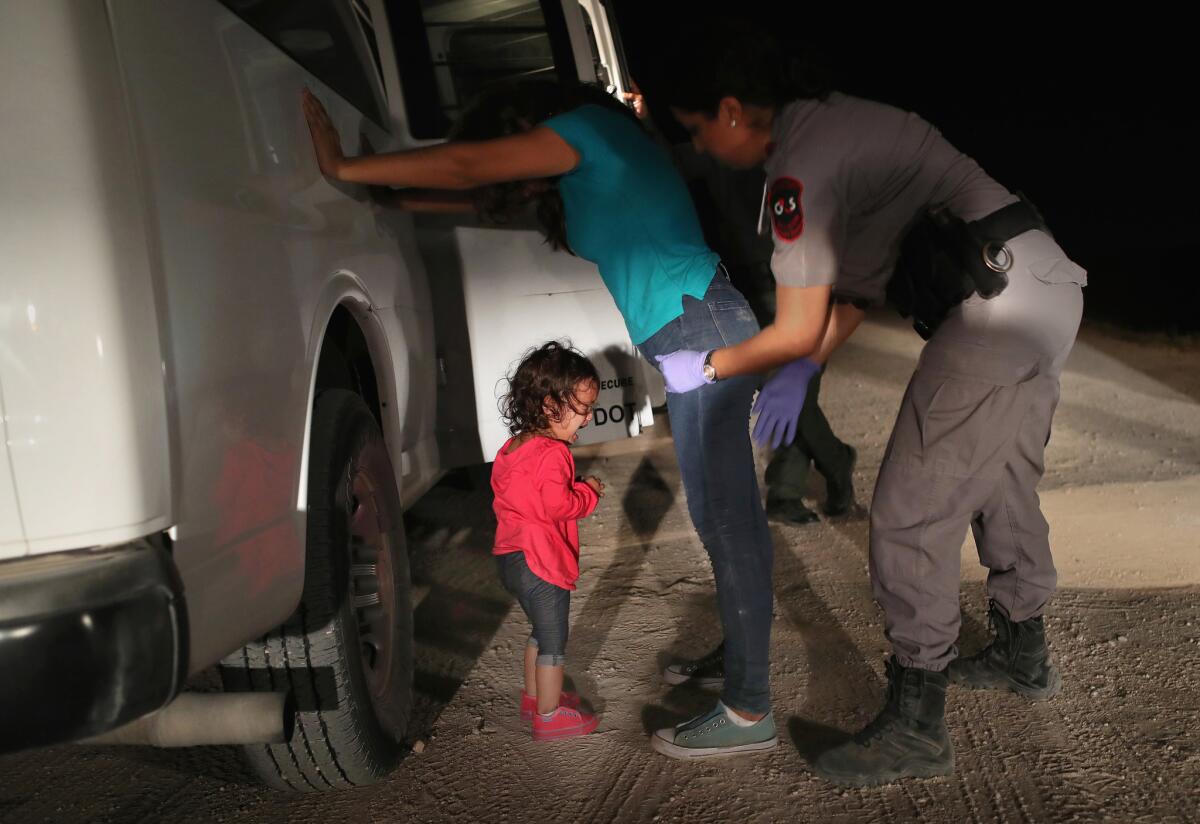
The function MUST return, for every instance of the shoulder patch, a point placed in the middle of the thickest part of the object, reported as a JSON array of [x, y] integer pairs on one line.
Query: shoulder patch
[[787, 212]]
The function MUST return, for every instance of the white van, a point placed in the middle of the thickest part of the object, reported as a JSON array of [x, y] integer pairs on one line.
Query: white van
[[222, 377]]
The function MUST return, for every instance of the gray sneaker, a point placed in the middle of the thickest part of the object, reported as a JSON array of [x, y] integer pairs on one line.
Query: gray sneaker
[[707, 672], [714, 734]]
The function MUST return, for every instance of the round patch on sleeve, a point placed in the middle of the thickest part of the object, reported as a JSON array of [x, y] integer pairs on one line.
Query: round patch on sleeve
[[787, 214]]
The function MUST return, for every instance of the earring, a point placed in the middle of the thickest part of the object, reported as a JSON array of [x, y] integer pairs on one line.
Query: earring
[[732, 123]]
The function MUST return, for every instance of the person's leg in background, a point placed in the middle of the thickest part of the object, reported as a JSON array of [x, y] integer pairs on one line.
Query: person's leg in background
[[815, 444]]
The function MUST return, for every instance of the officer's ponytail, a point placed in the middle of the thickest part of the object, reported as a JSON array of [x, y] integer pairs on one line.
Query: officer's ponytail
[[732, 58]]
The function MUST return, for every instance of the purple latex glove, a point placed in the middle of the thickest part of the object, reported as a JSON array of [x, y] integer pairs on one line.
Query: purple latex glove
[[683, 370], [780, 401]]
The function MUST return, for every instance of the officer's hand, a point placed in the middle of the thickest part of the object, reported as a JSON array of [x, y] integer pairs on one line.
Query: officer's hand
[[683, 370], [780, 401]]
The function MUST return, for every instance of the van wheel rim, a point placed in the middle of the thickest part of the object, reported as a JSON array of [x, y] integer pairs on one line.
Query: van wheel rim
[[372, 594]]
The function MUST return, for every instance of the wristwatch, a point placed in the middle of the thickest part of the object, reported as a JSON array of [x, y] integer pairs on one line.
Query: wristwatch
[[710, 371]]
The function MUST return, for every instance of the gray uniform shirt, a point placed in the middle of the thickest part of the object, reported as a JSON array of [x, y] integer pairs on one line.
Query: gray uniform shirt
[[847, 178]]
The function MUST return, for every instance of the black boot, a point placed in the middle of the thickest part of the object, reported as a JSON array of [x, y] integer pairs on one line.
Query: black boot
[[1017, 660], [789, 510], [707, 671], [840, 488], [907, 739]]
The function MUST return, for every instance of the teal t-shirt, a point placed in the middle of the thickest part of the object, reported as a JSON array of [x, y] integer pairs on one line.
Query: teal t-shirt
[[629, 212]]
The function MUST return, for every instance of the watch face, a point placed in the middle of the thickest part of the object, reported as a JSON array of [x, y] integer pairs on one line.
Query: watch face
[[710, 372]]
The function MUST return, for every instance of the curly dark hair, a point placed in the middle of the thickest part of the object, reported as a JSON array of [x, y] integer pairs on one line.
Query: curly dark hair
[[516, 107], [553, 370]]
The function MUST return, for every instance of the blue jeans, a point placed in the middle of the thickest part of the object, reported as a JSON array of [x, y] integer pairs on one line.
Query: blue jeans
[[711, 427], [547, 606]]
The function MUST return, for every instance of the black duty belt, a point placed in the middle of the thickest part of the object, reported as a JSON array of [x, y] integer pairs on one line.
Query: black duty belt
[[944, 260]]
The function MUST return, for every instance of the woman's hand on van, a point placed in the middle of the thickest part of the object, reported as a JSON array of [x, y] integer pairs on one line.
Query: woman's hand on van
[[637, 101], [327, 144]]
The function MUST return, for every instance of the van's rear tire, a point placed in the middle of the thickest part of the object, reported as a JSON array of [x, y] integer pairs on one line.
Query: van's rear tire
[[346, 653]]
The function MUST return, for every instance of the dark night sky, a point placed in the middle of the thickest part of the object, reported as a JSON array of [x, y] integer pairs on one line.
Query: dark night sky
[[1091, 119]]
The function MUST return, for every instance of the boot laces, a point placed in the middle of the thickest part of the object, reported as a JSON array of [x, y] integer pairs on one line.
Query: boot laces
[[875, 730]]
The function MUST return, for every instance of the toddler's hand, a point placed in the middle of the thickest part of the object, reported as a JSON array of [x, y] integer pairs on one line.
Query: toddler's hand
[[596, 484]]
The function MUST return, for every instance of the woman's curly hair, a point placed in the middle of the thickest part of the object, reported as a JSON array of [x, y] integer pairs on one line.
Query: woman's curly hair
[[514, 108], [554, 371]]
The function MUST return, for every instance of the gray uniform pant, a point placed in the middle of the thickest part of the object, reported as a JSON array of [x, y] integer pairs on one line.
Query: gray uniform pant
[[967, 450]]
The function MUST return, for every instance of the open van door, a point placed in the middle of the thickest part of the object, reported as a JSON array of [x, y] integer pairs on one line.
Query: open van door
[[500, 291]]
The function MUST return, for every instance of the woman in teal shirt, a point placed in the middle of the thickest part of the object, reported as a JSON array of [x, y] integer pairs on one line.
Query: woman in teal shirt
[[608, 193]]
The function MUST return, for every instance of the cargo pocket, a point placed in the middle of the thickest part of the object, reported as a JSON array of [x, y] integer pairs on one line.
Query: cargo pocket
[[953, 424], [969, 428], [1046, 260], [1062, 270]]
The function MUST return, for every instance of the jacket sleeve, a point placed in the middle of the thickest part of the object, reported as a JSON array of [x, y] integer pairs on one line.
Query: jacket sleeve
[[564, 498], [808, 221]]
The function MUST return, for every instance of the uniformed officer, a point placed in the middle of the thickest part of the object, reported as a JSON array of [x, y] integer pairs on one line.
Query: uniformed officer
[[847, 179]]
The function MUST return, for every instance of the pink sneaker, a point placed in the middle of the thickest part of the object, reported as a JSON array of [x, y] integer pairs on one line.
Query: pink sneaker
[[529, 703], [564, 722]]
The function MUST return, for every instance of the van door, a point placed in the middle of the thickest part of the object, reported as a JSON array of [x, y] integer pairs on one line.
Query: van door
[[500, 291]]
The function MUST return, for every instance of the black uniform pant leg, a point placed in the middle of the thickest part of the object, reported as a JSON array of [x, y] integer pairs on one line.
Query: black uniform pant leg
[[787, 473], [829, 453]]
